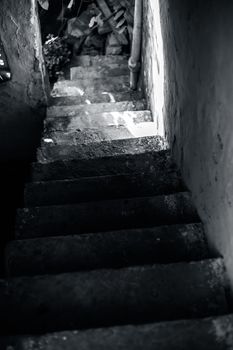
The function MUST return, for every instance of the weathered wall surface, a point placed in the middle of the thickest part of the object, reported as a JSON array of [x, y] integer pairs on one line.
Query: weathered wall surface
[[198, 37], [153, 62], [20, 118]]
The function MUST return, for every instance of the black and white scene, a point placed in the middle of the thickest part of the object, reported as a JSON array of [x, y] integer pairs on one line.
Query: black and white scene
[[116, 174]]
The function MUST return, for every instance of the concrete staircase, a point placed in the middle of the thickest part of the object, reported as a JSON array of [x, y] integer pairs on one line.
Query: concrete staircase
[[109, 252]]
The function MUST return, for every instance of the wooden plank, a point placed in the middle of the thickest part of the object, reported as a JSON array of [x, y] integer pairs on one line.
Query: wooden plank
[[107, 13]]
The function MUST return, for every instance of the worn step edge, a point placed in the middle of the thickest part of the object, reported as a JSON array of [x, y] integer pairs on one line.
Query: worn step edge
[[77, 110], [89, 299], [50, 152], [165, 244], [154, 162], [214, 333], [101, 187], [105, 215]]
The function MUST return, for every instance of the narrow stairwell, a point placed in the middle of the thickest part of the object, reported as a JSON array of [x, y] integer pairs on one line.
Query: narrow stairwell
[[109, 251]]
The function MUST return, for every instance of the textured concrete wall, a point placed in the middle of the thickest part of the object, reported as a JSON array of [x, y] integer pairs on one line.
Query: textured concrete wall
[[198, 37], [153, 61], [20, 119]]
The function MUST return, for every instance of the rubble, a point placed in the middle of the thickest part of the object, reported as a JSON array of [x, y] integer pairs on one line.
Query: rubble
[[105, 27]]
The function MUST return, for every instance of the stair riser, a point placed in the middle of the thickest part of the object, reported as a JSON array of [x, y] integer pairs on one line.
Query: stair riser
[[105, 216], [77, 73], [50, 152], [77, 110], [110, 297], [98, 121], [154, 162], [97, 188], [90, 97], [200, 334], [167, 244], [99, 61]]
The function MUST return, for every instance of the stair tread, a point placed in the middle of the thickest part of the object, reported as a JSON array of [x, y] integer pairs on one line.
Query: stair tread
[[106, 165], [89, 299], [91, 96], [213, 333], [98, 72], [94, 108], [165, 244], [82, 86], [51, 152], [98, 127], [96, 120], [102, 187], [89, 135], [99, 61], [105, 215]]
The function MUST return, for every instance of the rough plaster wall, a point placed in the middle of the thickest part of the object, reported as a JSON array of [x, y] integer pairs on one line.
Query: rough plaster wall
[[198, 39], [20, 119], [153, 61]]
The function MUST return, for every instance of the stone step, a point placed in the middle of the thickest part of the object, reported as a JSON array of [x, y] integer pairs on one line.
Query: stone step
[[95, 108], [155, 162], [110, 297], [114, 70], [165, 244], [214, 333], [50, 152], [85, 86], [91, 96], [98, 127], [98, 120], [86, 189], [105, 215], [85, 136], [101, 61]]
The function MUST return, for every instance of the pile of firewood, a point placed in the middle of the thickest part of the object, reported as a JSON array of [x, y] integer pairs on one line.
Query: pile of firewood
[[104, 27]]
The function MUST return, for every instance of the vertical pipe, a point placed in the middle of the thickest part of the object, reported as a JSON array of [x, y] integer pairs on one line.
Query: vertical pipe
[[134, 61]]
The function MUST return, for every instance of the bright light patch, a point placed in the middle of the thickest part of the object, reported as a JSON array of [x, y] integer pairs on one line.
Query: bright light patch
[[48, 140], [156, 65]]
